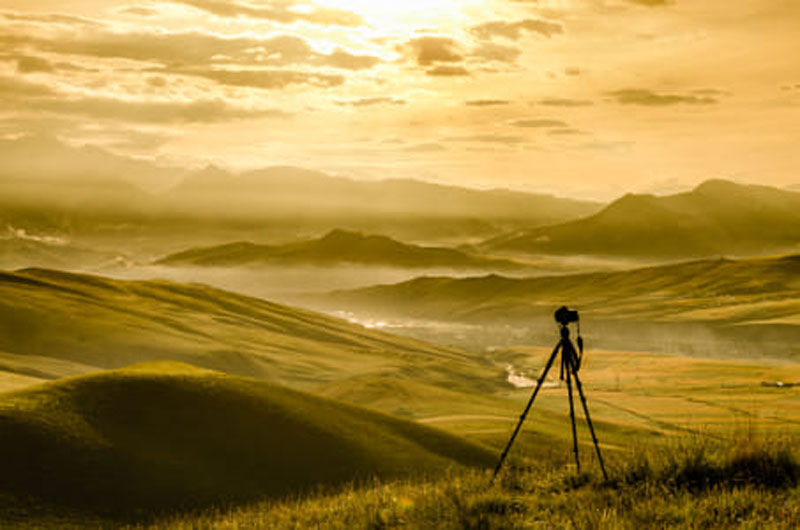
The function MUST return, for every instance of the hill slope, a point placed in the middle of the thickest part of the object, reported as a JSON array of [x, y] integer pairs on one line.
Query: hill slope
[[107, 323], [335, 248], [715, 291], [167, 435], [717, 217]]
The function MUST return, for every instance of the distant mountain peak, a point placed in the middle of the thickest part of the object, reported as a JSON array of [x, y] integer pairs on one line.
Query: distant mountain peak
[[340, 234], [717, 185]]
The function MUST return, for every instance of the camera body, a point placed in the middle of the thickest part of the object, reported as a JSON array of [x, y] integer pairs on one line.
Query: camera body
[[565, 316]]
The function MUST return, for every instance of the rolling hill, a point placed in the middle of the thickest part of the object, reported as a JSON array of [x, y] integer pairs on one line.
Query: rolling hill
[[338, 247], [103, 323], [168, 436], [717, 217], [721, 291]]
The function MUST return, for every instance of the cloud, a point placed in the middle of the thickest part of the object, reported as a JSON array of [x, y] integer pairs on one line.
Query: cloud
[[12, 88], [486, 102], [193, 48], [566, 132], [637, 96], [139, 11], [431, 147], [565, 102], [264, 78], [278, 11], [197, 111], [514, 30], [27, 64], [368, 102], [490, 51], [448, 71], [430, 50], [650, 3], [52, 18], [487, 138], [538, 123]]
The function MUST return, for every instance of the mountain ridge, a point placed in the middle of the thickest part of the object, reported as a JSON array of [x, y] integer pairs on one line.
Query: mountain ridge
[[336, 247], [716, 217]]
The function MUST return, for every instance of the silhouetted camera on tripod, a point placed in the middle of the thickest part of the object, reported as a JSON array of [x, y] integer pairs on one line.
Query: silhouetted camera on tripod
[[570, 364], [565, 316]]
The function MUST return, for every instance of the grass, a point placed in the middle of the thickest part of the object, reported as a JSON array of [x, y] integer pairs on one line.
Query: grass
[[166, 436], [693, 484], [97, 322]]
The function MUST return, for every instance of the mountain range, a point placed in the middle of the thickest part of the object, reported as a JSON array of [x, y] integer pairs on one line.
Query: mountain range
[[338, 247], [717, 217]]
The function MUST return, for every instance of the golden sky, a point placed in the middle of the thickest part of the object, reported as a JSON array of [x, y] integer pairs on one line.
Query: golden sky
[[588, 98]]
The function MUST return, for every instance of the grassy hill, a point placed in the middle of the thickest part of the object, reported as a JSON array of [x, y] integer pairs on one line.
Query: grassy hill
[[338, 247], [167, 436], [105, 323], [722, 291], [717, 217]]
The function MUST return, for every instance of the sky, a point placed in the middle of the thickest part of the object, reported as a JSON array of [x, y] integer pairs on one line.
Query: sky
[[583, 98]]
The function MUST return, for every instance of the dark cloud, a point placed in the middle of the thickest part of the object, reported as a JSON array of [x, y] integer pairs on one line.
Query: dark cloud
[[565, 102], [368, 102], [514, 30], [566, 132], [448, 71], [278, 11], [538, 123], [573, 71], [430, 50], [490, 51], [432, 147], [638, 96], [29, 64], [486, 102]]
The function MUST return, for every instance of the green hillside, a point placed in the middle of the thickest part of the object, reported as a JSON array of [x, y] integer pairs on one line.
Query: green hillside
[[717, 217], [730, 292], [104, 323], [167, 435], [338, 247]]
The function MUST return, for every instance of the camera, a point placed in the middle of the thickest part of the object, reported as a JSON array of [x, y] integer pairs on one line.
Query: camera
[[566, 316]]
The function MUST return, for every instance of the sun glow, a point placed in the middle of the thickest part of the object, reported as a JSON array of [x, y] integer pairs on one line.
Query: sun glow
[[402, 13]]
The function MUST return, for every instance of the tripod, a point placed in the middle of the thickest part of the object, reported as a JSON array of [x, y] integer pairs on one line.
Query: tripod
[[570, 364]]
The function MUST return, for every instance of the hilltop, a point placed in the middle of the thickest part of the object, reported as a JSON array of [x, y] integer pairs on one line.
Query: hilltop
[[717, 217], [337, 247], [104, 323], [169, 436]]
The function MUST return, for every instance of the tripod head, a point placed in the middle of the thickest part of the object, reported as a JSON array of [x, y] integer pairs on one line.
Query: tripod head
[[566, 316]]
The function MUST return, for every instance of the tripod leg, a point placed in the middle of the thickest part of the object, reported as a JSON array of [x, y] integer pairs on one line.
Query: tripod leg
[[527, 408], [591, 428], [572, 419]]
